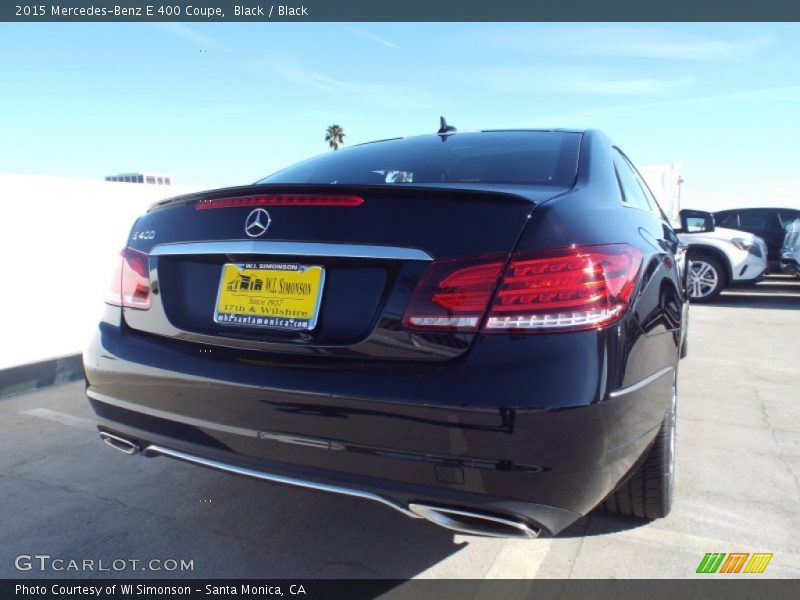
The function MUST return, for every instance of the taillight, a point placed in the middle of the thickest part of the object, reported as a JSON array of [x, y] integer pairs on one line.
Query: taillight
[[566, 290], [453, 294], [281, 200], [131, 284]]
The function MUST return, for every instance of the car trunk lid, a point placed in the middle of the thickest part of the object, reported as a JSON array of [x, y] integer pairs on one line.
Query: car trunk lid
[[359, 261]]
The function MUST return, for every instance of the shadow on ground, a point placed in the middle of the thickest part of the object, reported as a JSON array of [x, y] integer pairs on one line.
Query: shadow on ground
[[86, 502], [600, 522]]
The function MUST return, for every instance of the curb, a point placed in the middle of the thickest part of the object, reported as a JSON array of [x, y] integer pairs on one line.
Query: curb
[[33, 376]]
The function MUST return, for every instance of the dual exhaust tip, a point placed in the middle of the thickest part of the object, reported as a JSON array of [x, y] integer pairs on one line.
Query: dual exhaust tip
[[456, 519], [120, 443], [473, 523]]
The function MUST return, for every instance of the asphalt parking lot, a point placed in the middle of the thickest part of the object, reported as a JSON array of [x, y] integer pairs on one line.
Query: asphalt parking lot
[[67, 495]]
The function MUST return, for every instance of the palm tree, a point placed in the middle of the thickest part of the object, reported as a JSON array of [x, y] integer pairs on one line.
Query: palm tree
[[334, 135]]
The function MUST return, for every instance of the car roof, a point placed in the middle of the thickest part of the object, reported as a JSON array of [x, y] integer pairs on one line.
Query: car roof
[[544, 130], [754, 208], [523, 130]]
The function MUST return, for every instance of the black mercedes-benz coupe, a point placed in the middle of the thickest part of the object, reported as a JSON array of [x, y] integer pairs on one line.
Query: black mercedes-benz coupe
[[480, 329]]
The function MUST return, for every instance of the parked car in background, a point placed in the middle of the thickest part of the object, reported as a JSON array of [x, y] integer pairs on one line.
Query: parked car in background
[[790, 252], [767, 223], [480, 329], [720, 257]]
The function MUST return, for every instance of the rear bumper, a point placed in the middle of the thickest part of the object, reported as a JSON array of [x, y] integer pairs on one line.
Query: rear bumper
[[544, 467]]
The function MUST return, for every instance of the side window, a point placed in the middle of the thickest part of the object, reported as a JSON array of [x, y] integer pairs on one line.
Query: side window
[[632, 192], [788, 216], [753, 219], [655, 207], [730, 221], [774, 221]]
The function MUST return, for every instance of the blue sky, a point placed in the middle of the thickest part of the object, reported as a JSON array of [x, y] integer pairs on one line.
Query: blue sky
[[226, 103]]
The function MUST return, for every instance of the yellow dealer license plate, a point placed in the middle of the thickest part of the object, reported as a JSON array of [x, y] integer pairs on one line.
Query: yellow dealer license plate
[[270, 295]]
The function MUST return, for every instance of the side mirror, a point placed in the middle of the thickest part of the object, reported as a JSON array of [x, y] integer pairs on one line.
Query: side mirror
[[696, 221]]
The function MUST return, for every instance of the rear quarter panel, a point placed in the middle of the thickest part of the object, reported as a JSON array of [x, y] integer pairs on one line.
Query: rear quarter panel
[[648, 338]]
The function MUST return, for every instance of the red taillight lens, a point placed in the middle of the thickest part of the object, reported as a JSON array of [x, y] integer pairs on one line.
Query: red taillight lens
[[114, 295], [566, 289], [281, 200], [453, 294], [131, 284]]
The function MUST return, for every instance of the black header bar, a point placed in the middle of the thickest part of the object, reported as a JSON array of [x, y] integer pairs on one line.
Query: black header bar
[[398, 10], [398, 589]]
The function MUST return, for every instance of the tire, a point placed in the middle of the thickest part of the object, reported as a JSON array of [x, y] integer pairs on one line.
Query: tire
[[707, 277], [648, 492]]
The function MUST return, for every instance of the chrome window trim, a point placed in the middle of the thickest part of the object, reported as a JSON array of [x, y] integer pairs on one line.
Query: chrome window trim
[[290, 249]]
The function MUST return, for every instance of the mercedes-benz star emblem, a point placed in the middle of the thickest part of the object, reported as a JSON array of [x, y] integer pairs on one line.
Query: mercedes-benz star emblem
[[257, 222]]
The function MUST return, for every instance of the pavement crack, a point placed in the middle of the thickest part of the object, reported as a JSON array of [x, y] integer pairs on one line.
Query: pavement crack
[[43, 455], [72, 490], [574, 558], [762, 406]]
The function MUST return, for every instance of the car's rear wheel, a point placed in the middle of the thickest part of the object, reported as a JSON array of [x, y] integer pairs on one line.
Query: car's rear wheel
[[707, 277], [648, 492]]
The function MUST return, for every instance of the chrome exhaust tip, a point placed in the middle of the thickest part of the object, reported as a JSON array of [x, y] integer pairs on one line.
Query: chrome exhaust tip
[[475, 523], [120, 443]]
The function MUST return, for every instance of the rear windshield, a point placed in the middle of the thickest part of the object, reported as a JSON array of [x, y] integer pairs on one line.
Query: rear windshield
[[542, 158]]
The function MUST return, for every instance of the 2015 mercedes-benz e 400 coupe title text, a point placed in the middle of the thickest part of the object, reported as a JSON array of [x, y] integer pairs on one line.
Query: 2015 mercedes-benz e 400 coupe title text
[[481, 329]]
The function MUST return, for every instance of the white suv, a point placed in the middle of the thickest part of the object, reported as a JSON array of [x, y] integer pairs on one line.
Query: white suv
[[720, 258]]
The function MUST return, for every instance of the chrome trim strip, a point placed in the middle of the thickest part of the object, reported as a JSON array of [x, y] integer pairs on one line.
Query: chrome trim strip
[[293, 481], [640, 384], [494, 526], [290, 249]]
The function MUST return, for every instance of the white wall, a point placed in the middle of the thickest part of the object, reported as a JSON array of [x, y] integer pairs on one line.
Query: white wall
[[59, 241]]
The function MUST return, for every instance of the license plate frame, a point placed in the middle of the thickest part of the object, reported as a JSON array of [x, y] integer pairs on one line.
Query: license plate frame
[[266, 292]]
